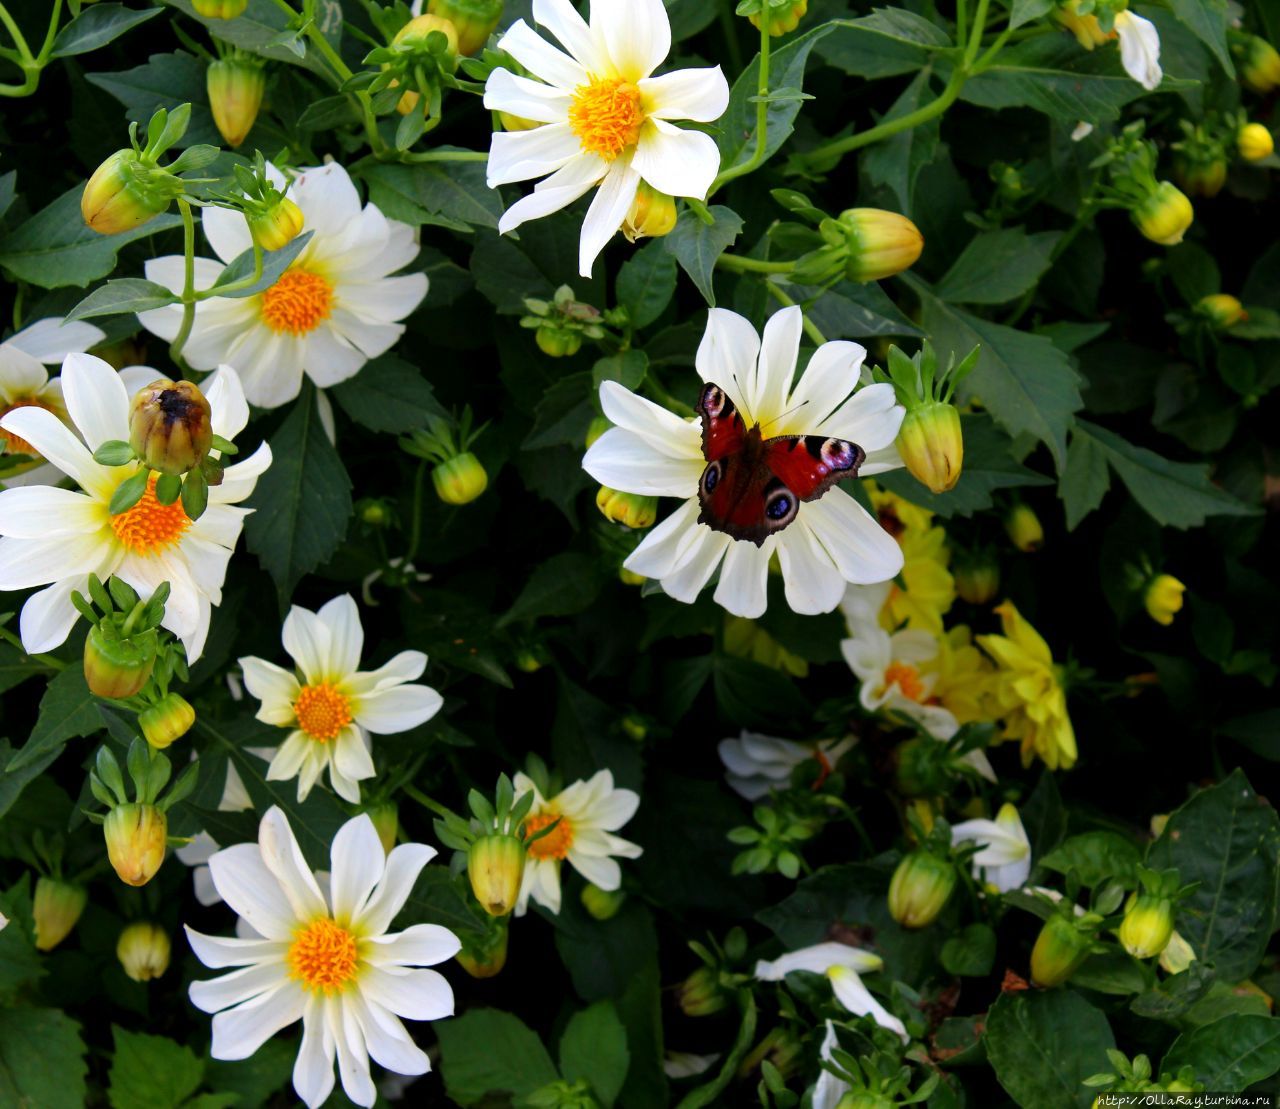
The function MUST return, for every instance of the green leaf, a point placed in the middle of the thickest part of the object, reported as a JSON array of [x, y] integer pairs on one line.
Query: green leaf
[[1227, 839], [1194, 271], [438, 897], [302, 503], [564, 414], [594, 1047], [997, 266], [452, 194], [164, 81], [646, 283], [885, 43], [1096, 856], [563, 585], [1259, 731], [850, 310], [972, 953], [696, 246], [896, 162], [1174, 494], [1027, 11], [708, 1093], [126, 294], [55, 248], [487, 1051], [20, 962], [1024, 380], [274, 263], [1043, 1044], [1229, 1055], [1207, 20], [151, 1072], [67, 710], [388, 394], [97, 26], [42, 1063], [262, 28], [255, 1079], [1086, 478]]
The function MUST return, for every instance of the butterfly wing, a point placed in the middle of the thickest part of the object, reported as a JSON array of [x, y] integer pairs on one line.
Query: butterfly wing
[[809, 465], [723, 431]]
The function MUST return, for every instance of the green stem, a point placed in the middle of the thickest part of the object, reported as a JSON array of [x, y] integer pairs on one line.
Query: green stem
[[19, 40], [426, 802], [447, 156], [1084, 217], [658, 392], [236, 286], [739, 263], [762, 118], [44, 660], [810, 328], [188, 284]]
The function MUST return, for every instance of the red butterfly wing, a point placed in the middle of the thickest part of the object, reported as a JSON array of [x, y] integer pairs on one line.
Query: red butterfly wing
[[809, 465], [723, 431]]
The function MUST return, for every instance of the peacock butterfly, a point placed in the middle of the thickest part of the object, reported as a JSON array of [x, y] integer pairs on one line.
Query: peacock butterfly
[[753, 486]]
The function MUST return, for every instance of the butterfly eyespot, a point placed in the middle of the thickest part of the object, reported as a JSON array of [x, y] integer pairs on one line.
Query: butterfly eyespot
[[780, 506], [711, 477], [712, 402]]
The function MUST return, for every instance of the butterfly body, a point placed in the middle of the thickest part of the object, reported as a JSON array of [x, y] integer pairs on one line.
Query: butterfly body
[[752, 486]]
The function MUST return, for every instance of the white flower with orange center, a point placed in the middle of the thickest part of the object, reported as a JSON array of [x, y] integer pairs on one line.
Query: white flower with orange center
[[25, 383], [606, 121], [58, 537], [588, 813], [332, 705], [333, 309], [326, 959]]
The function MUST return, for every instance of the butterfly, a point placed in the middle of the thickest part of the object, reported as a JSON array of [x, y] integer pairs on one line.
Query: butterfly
[[753, 486]]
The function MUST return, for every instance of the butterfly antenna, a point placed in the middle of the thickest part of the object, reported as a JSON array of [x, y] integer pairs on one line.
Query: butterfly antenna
[[743, 394], [786, 414]]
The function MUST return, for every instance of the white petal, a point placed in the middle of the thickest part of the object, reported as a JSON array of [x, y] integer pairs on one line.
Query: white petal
[[599, 870], [313, 1077], [623, 460], [353, 1058], [1139, 49], [48, 616], [506, 92], [227, 232], [58, 444], [346, 636], [727, 355], [28, 562], [239, 1032], [407, 666], [676, 437], [416, 994], [542, 59], [225, 393], [328, 199], [812, 582], [356, 862], [854, 996], [744, 580], [817, 959], [562, 20], [701, 95], [861, 549], [699, 562], [217, 952], [404, 864], [417, 945], [674, 161], [386, 1039], [609, 207], [636, 33], [306, 639], [871, 417], [779, 350], [521, 155], [283, 857], [830, 376], [34, 511], [241, 876], [667, 544], [240, 985], [52, 339], [275, 687], [351, 759], [558, 191], [398, 709], [96, 400]]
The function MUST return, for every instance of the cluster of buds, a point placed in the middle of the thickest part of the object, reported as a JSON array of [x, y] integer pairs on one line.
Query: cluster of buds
[[143, 950], [1149, 913], [775, 17], [473, 21], [457, 474], [709, 989], [930, 440], [879, 1079], [561, 324], [137, 831], [1158, 209], [131, 187], [1258, 60], [861, 244], [652, 214], [236, 84], [1135, 1078]]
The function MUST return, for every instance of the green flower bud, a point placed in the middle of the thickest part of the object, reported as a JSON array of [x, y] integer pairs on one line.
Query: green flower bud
[[932, 445], [920, 888], [386, 822], [135, 836], [977, 578], [219, 9], [277, 226], [881, 243], [652, 215], [1164, 215], [117, 667], [169, 428], [701, 995], [1058, 952], [56, 908], [864, 1099], [167, 720], [1260, 64], [1199, 177], [632, 510], [473, 20], [1024, 529], [460, 480], [1147, 925], [143, 951], [485, 959], [124, 193], [414, 34], [782, 20], [235, 87], [1222, 310], [602, 904], [495, 865], [558, 342]]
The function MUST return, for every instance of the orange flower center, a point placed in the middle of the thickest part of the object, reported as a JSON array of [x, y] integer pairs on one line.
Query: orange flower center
[[15, 444], [149, 526], [322, 711], [297, 303], [606, 116], [556, 843], [907, 679], [323, 956]]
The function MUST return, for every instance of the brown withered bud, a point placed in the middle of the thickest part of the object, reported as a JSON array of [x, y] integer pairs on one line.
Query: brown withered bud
[[169, 426]]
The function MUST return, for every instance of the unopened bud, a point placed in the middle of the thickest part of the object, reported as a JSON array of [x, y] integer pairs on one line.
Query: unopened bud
[[278, 225], [135, 836], [1199, 177], [143, 951], [460, 480], [495, 865], [635, 727], [1024, 529], [1147, 925], [416, 33], [652, 214], [386, 822], [632, 510], [1086, 28], [1163, 598], [932, 445], [473, 20], [169, 719], [116, 666], [219, 9], [558, 342], [1254, 142], [1222, 310], [1164, 216], [1259, 65], [530, 660], [782, 19], [701, 995], [977, 578], [597, 428], [920, 888], [602, 904], [865, 1099], [56, 908], [1058, 952], [1177, 955], [124, 193], [169, 428], [235, 87], [487, 960], [881, 243]]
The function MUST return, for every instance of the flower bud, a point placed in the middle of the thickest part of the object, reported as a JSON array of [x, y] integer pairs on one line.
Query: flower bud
[[1177, 955], [1164, 216], [880, 243], [1260, 65], [167, 720], [1163, 598], [518, 123], [630, 577], [1059, 950], [1200, 178], [415, 33], [460, 480], [782, 20], [277, 226], [602, 904], [652, 214], [135, 837], [473, 20], [495, 865], [1086, 28], [529, 660], [235, 87], [977, 578], [920, 888], [169, 427], [1024, 529], [56, 908], [1147, 925], [1222, 310], [386, 822], [632, 510], [219, 9], [117, 667], [558, 342], [865, 1099], [932, 445], [597, 428], [122, 194], [486, 960], [701, 995], [1254, 142], [635, 727], [143, 951]]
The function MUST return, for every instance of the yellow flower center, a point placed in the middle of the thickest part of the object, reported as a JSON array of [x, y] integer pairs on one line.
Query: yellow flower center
[[322, 711], [606, 116], [149, 526], [323, 956], [907, 679], [556, 843], [297, 303], [15, 444]]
